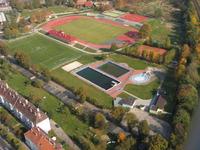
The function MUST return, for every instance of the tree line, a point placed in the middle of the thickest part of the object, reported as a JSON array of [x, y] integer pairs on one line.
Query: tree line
[[187, 76], [33, 4]]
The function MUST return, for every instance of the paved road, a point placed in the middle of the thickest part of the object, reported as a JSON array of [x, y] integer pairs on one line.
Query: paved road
[[62, 135], [193, 142], [155, 124]]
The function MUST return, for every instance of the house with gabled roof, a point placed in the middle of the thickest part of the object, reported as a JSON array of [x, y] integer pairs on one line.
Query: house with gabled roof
[[37, 139], [158, 104], [124, 102]]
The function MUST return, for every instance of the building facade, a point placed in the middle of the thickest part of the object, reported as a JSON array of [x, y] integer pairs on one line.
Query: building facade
[[20, 107]]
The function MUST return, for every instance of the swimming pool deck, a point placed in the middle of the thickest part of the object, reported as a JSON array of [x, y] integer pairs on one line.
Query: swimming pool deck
[[124, 79]]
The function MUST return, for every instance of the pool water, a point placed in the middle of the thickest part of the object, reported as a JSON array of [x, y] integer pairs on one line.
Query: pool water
[[140, 78], [97, 78]]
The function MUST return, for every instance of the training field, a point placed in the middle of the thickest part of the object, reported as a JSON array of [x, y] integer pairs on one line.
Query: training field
[[113, 69], [92, 30], [44, 51]]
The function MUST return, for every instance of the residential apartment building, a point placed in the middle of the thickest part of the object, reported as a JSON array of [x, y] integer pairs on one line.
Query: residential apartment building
[[20, 107]]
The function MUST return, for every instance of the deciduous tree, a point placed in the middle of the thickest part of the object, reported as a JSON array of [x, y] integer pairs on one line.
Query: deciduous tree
[[118, 113], [157, 142], [100, 121], [145, 31]]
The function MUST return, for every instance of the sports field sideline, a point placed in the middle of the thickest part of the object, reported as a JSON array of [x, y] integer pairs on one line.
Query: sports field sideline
[[43, 51]]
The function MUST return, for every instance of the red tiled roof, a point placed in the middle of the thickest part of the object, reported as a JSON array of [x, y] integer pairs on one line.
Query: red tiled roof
[[41, 140], [21, 104], [88, 4], [81, 2]]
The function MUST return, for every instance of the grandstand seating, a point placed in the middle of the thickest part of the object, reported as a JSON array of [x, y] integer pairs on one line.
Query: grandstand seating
[[61, 35]]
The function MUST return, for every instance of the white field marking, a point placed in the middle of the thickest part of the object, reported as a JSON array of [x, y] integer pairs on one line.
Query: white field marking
[[68, 45]]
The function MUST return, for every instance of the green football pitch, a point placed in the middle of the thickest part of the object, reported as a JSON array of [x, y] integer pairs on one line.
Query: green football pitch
[[113, 69], [91, 30], [44, 51]]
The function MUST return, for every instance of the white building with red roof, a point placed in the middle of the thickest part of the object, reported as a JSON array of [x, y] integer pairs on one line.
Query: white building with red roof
[[20, 107], [84, 3], [37, 139]]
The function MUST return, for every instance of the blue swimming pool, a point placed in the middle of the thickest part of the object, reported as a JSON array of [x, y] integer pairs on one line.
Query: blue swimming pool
[[97, 78]]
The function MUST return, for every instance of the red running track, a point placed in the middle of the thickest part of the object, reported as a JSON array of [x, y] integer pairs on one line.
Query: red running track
[[129, 37]]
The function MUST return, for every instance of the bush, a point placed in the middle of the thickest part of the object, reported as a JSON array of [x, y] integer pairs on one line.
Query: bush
[[37, 83]]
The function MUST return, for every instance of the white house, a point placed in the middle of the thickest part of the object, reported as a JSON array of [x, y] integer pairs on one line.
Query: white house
[[36, 139], [20, 107], [2, 18], [128, 103], [5, 5]]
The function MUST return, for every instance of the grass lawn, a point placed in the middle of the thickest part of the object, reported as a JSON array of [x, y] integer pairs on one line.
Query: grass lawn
[[71, 81], [70, 124], [86, 59], [88, 49], [43, 51], [143, 91], [54, 9], [159, 27], [132, 62], [124, 95], [79, 46], [60, 9], [93, 31]]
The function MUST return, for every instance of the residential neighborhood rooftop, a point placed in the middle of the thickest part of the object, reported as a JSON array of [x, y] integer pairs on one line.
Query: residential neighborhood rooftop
[[21, 104], [159, 103], [41, 140], [127, 101]]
